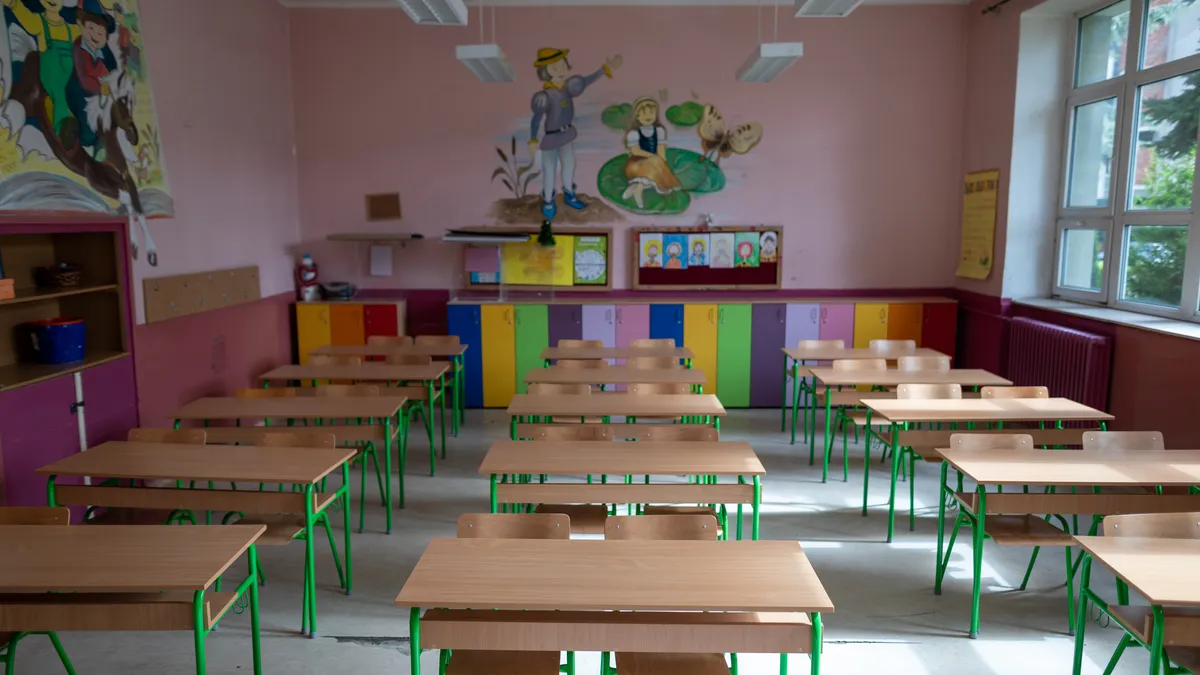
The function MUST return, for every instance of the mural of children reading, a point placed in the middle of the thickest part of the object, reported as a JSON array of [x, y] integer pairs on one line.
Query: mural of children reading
[[768, 246], [646, 140]]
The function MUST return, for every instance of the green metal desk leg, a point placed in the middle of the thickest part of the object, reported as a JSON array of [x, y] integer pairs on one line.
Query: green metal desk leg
[[255, 633], [493, 493], [198, 632], [310, 561], [866, 461], [784, 406], [50, 498], [387, 470], [757, 503], [427, 414], [512, 428], [442, 411], [1085, 578], [346, 522], [977, 537], [892, 490], [818, 631], [937, 562], [828, 446], [1156, 640], [414, 640]]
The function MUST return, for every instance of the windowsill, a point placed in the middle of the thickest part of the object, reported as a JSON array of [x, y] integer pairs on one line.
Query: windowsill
[[1157, 324]]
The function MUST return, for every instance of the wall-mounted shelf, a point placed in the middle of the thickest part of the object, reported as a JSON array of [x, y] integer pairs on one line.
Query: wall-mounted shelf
[[380, 238]]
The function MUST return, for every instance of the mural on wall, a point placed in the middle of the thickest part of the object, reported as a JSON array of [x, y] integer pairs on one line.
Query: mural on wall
[[82, 132]]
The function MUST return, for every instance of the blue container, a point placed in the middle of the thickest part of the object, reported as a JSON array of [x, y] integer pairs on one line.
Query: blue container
[[58, 340]]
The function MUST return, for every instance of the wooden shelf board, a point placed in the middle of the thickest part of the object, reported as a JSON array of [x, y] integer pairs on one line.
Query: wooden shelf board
[[36, 294], [369, 237], [21, 374]]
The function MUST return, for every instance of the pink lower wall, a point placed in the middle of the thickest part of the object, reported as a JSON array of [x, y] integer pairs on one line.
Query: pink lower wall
[[860, 158]]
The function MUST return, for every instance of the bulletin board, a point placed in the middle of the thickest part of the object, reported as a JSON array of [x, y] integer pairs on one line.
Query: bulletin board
[[715, 258], [580, 260]]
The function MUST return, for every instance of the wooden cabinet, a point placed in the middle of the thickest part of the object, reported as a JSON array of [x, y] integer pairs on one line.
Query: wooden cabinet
[[870, 323], [313, 329], [346, 325], [700, 335], [464, 321], [566, 323], [666, 321], [767, 336], [904, 321], [939, 326], [499, 355], [532, 333]]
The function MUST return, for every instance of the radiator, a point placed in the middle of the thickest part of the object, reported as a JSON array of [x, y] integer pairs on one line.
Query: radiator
[[1070, 363]]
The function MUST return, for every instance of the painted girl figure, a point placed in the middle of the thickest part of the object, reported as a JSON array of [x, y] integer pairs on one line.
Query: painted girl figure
[[646, 140], [699, 257]]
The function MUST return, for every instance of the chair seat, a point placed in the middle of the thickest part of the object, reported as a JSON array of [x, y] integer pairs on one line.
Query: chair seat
[[585, 518], [473, 662], [671, 664]]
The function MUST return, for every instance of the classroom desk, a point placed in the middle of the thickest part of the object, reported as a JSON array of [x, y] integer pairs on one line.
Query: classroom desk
[[898, 414], [382, 409], [216, 463], [693, 377], [569, 579], [648, 458], [1059, 468], [830, 378], [380, 373], [592, 353], [1164, 571], [610, 404], [120, 577]]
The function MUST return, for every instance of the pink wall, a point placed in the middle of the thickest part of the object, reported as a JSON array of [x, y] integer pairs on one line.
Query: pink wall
[[861, 157]]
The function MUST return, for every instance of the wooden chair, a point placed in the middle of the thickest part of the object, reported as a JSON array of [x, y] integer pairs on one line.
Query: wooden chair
[[328, 360], [653, 362], [184, 436], [437, 340], [581, 344], [892, 345], [456, 380], [270, 392], [390, 340], [928, 391], [650, 343], [42, 516], [409, 360], [803, 393], [551, 389], [670, 432], [938, 363], [566, 432], [655, 389], [498, 662], [1014, 392], [420, 402], [581, 364], [845, 414], [1123, 440]]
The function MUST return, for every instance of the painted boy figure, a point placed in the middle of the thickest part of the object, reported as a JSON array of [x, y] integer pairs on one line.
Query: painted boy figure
[[555, 104], [94, 61]]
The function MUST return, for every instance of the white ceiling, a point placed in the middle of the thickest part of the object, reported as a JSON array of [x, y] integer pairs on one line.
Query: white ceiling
[[348, 4]]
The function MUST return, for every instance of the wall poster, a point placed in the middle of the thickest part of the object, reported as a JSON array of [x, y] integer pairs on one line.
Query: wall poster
[[980, 192]]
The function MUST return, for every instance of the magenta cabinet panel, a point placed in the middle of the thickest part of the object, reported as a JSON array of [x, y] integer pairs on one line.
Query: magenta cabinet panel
[[803, 323], [37, 427], [633, 323], [768, 330], [837, 323], [110, 401], [566, 323], [600, 323]]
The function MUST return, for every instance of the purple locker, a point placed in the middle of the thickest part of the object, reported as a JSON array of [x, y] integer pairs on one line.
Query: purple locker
[[803, 323], [566, 323], [600, 323], [37, 427], [768, 325], [837, 323]]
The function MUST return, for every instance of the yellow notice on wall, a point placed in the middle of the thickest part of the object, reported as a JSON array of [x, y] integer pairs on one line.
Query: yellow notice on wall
[[531, 264], [978, 224]]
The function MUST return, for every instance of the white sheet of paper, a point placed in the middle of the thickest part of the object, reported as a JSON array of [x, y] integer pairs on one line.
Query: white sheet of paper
[[381, 261]]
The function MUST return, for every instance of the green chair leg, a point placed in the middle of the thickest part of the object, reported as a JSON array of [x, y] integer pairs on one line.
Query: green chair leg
[[337, 562]]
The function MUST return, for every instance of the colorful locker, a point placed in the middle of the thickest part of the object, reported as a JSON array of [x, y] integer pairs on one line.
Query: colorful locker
[[464, 321], [600, 323], [666, 321], [837, 323], [939, 328], [566, 323], [904, 321], [733, 354], [346, 324], [633, 323], [767, 337], [803, 323], [532, 332], [499, 355], [383, 319], [312, 329], [700, 335], [870, 323]]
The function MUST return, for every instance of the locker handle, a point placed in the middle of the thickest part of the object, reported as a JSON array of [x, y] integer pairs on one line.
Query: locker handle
[[824, 314], [779, 313], [620, 319], [883, 313], [508, 316], [608, 316], [813, 314], [721, 316], [711, 315], [679, 316]]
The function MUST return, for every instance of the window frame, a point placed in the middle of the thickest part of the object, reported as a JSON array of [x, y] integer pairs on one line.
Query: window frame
[[1117, 215]]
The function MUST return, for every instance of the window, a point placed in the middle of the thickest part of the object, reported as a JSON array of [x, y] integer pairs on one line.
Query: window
[[1128, 235]]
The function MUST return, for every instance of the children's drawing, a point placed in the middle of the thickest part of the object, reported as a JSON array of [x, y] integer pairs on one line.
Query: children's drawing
[[722, 250], [651, 249], [697, 250], [746, 250], [591, 263], [76, 100], [768, 247], [675, 250]]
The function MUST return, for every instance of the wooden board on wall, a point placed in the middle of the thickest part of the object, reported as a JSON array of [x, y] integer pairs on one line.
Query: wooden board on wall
[[766, 276], [184, 294]]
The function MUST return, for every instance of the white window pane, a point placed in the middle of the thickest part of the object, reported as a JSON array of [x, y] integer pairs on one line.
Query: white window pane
[[1153, 272], [1164, 161], [1172, 31], [1082, 264], [1102, 40], [1093, 128]]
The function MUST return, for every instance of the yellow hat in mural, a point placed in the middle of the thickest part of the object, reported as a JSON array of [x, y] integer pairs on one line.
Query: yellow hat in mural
[[548, 55]]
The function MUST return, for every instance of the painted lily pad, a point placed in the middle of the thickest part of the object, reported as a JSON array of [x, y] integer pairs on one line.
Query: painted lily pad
[[695, 174], [685, 114], [617, 116]]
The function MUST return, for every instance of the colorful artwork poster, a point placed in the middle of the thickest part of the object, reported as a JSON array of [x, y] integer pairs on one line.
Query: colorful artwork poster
[[978, 224], [78, 108], [721, 256], [650, 247], [768, 247], [746, 249], [697, 250], [531, 264], [591, 260], [675, 251]]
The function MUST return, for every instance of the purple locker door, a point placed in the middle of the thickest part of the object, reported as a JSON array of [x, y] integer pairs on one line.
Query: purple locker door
[[803, 323], [111, 409], [633, 323], [600, 323], [768, 325], [37, 427], [565, 323], [837, 323]]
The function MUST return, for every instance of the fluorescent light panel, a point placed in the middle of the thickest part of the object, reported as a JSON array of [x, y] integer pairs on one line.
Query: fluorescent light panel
[[435, 12], [768, 60], [486, 61], [825, 8]]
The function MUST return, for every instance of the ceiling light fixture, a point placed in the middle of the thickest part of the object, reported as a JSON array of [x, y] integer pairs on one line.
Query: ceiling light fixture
[[435, 12], [769, 59], [487, 61], [829, 9]]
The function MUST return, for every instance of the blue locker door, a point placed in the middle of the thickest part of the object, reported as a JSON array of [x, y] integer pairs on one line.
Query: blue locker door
[[463, 321], [666, 321]]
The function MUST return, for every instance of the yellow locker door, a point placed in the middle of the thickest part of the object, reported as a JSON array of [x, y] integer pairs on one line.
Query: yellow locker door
[[499, 355], [870, 323], [312, 329], [904, 321], [700, 335]]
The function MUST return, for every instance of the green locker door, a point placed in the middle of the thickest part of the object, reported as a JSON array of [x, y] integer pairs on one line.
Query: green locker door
[[733, 355], [533, 335]]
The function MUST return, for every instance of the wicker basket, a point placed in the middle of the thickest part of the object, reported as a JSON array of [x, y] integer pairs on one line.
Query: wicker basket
[[68, 278], [61, 275]]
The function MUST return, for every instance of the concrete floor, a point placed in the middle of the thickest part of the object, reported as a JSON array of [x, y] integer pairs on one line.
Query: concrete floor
[[887, 618]]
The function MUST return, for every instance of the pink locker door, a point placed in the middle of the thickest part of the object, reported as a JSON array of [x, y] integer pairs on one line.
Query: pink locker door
[[837, 323], [633, 323]]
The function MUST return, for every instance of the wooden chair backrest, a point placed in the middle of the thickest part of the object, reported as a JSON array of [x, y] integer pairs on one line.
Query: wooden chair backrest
[[1154, 525], [330, 360], [860, 364], [669, 432], [643, 389], [645, 343], [1014, 392], [409, 360], [581, 344], [821, 344], [342, 390], [898, 345], [581, 364], [653, 362], [297, 439], [665, 527], [437, 340], [1123, 440], [390, 340], [973, 442], [929, 391], [270, 392], [546, 388], [938, 363], [572, 432], [184, 436], [35, 515], [514, 526]]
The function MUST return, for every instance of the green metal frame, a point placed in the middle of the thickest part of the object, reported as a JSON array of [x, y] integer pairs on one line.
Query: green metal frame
[[8, 651], [803, 390]]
